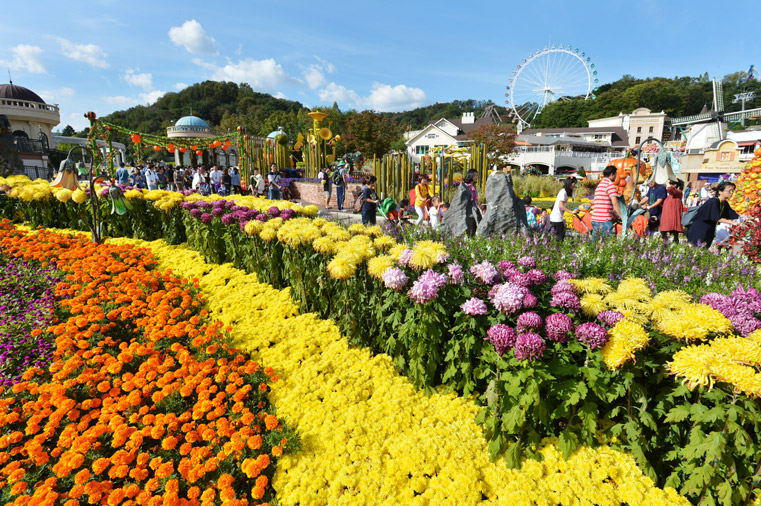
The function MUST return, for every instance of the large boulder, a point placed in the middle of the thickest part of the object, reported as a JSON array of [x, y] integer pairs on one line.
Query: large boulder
[[505, 213], [10, 162], [460, 218]]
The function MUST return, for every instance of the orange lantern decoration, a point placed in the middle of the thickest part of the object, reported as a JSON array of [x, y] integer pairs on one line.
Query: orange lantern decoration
[[225, 147], [170, 150], [157, 148], [199, 152], [227, 142], [170, 146], [193, 147], [183, 149], [215, 144], [135, 138]]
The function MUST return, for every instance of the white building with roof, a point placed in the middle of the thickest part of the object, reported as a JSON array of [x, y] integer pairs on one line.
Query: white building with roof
[[193, 127], [639, 125], [443, 133]]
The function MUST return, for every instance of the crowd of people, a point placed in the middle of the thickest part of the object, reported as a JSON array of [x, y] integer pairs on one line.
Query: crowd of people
[[664, 205]]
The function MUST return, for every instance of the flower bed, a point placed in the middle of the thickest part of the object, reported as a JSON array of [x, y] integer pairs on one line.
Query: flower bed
[[144, 403], [550, 351], [368, 437], [27, 304]]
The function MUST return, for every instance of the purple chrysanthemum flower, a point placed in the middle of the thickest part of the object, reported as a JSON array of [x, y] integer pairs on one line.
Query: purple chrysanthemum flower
[[273, 211], [562, 275], [592, 334], [558, 326], [566, 300], [529, 346], [204, 205], [610, 318], [536, 276], [484, 272], [217, 211], [563, 287], [750, 297], [228, 219], [529, 321], [455, 273], [507, 298], [219, 203], [189, 205], [520, 279], [530, 301], [206, 218], [474, 306], [196, 213], [426, 287], [229, 204], [404, 257], [504, 265], [501, 336], [395, 279], [527, 262], [262, 217], [745, 324]]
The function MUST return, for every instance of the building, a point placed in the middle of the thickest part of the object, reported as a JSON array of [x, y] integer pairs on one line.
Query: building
[[639, 125], [444, 133], [193, 127], [32, 122], [721, 156], [558, 151]]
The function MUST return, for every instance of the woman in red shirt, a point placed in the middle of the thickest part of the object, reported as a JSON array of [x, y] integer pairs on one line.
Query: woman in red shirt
[[671, 218]]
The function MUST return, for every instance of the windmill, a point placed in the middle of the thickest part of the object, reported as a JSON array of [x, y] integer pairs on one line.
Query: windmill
[[712, 119]]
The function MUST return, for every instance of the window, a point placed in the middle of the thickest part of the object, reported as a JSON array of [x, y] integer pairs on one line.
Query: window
[[421, 150], [637, 140], [431, 136], [652, 129], [639, 130], [725, 156]]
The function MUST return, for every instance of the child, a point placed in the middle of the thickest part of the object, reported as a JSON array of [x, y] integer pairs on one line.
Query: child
[[422, 193], [433, 212]]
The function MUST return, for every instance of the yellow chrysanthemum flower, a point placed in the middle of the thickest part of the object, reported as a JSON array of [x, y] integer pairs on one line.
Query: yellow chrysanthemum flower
[[78, 196], [694, 364], [426, 254], [324, 245], [694, 322], [664, 303], [378, 265], [384, 243], [592, 304], [63, 194], [626, 338], [592, 286], [341, 267], [253, 227]]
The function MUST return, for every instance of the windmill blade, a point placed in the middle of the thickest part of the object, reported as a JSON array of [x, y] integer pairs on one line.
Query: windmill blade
[[695, 118], [741, 115], [718, 96]]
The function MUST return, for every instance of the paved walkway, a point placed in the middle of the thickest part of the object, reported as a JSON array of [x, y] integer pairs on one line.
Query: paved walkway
[[347, 216]]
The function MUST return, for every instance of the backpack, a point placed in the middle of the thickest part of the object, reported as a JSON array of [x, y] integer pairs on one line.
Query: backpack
[[531, 218], [359, 202], [337, 177], [689, 216]]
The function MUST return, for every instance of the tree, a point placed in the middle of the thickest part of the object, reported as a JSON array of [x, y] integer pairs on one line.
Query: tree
[[499, 141], [68, 131], [370, 133]]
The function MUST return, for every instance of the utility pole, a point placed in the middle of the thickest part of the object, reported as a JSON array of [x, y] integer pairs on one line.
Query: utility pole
[[746, 96]]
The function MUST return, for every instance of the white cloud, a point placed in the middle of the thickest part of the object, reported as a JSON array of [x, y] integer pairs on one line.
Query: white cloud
[[86, 53], [180, 86], [51, 96], [151, 96], [314, 74], [336, 93], [145, 81], [262, 75], [280, 94], [387, 98], [120, 100], [193, 38], [383, 97], [25, 57]]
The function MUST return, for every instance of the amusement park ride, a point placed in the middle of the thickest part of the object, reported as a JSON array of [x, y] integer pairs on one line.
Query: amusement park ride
[[549, 74]]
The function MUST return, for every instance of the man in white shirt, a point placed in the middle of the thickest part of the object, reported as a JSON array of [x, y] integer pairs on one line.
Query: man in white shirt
[[151, 178], [216, 177]]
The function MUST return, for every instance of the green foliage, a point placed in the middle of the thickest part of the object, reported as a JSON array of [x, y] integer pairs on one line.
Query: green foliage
[[370, 133]]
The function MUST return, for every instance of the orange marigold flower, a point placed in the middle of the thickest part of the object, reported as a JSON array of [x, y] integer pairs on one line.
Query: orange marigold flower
[[82, 476], [277, 451], [270, 421]]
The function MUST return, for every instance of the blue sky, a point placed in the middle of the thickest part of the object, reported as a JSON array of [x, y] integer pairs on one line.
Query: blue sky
[[389, 56]]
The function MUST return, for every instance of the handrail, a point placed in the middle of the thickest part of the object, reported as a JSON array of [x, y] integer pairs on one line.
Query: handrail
[[12, 102]]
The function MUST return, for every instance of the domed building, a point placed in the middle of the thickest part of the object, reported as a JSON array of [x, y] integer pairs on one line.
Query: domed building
[[32, 122], [193, 127]]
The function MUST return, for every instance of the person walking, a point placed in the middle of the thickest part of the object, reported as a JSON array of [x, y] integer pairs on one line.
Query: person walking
[[671, 218], [275, 182], [422, 193], [327, 185], [122, 175], [714, 211], [369, 201], [653, 203], [257, 183], [339, 182], [470, 180], [235, 181], [605, 205], [151, 178], [557, 216], [179, 179]]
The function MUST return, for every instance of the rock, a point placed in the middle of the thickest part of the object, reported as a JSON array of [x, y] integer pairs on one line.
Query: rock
[[10, 162], [460, 218], [505, 213]]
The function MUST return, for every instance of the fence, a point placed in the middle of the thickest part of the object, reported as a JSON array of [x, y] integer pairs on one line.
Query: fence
[[35, 172]]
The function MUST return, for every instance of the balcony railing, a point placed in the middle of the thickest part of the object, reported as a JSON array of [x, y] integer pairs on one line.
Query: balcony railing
[[25, 145], [26, 104], [34, 172]]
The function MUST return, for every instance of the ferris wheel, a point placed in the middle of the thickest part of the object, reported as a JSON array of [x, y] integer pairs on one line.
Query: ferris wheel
[[550, 74]]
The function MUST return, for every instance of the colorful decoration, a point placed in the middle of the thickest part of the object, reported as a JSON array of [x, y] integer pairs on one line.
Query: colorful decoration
[[199, 152], [748, 192], [135, 138], [157, 148]]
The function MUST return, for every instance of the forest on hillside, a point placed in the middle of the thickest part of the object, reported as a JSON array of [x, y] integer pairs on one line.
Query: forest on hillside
[[225, 105]]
